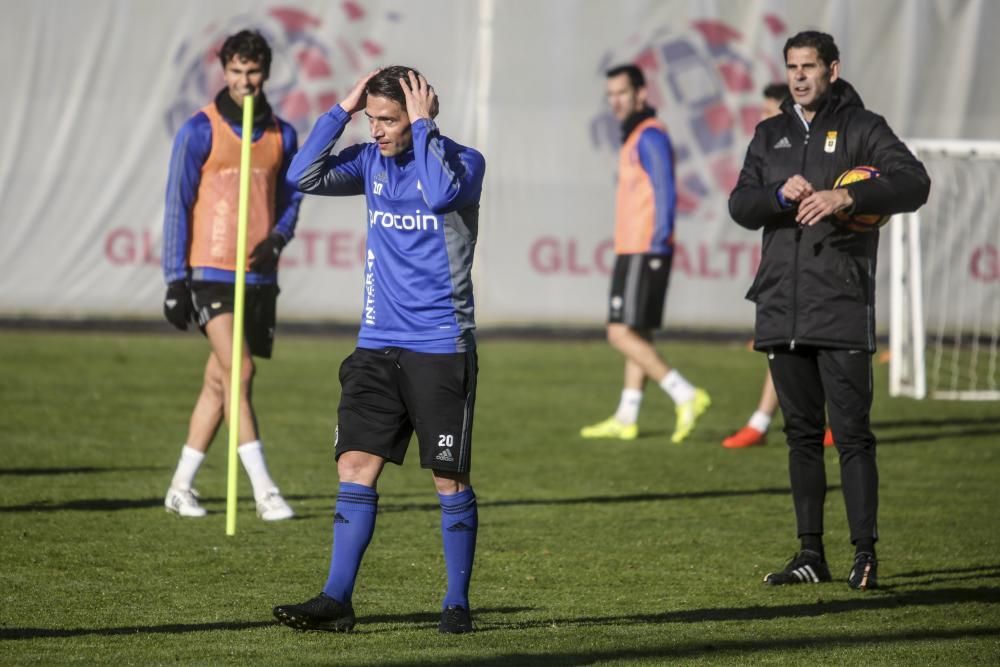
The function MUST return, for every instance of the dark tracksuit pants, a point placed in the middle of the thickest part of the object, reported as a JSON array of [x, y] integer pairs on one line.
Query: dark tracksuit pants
[[808, 379]]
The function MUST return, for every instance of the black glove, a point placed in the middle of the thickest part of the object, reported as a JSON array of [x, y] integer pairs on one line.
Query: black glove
[[177, 305], [264, 258]]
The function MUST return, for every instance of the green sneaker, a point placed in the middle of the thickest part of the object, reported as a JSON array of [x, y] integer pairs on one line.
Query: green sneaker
[[611, 428], [688, 413]]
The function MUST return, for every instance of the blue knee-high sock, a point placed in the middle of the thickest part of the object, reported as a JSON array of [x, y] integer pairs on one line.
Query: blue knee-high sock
[[459, 521], [353, 526]]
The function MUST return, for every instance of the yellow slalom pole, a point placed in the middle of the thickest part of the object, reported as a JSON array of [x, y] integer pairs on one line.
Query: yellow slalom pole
[[240, 281]]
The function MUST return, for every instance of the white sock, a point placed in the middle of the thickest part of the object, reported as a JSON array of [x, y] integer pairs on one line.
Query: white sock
[[187, 468], [252, 456], [679, 389], [628, 406], [760, 421]]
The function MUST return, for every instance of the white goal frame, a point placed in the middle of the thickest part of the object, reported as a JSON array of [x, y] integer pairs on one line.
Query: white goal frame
[[907, 324]]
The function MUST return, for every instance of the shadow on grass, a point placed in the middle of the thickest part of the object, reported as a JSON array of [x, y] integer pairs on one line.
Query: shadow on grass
[[7, 634], [117, 504], [708, 649], [937, 434], [79, 470], [863, 602], [867, 602], [931, 423], [89, 505], [605, 500], [991, 569], [112, 504], [959, 428], [945, 576], [367, 623], [172, 628], [936, 429]]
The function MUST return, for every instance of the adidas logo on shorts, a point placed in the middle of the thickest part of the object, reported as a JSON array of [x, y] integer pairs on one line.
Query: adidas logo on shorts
[[445, 455]]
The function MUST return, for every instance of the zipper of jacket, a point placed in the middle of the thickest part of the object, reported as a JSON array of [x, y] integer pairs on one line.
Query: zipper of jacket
[[795, 260], [870, 308]]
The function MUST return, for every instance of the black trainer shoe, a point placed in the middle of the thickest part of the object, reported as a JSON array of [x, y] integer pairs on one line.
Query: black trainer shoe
[[455, 620], [864, 574], [805, 567], [320, 613]]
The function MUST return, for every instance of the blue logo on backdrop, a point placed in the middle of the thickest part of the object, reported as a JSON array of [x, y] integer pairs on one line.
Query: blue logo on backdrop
[[706, 84]]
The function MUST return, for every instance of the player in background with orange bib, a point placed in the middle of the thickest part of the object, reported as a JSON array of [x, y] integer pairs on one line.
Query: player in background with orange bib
[[199, 258], [644, 242]]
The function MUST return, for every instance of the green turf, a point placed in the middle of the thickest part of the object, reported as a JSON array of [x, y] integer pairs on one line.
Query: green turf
[[589, 553]]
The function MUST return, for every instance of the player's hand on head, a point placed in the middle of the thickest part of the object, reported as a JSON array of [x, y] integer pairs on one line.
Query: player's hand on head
[[177, 305], [264, 258], [356, 99], [820, 204], [796, 188], [421, 100]]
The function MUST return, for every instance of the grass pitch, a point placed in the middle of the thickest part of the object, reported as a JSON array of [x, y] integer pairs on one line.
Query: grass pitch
[[589, 553]]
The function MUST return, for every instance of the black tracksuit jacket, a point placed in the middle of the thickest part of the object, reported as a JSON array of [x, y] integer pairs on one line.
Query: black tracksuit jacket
[[816, 285]]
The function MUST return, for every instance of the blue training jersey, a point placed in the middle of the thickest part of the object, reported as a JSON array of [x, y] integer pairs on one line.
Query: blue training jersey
[[423, 220]]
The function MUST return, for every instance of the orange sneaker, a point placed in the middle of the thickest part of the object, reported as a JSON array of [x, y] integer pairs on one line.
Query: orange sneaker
[[747, 436], [828, 438]]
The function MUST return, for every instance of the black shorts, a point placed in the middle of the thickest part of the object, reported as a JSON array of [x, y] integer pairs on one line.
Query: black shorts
[[388, 394], [639, 290], [260, 303]]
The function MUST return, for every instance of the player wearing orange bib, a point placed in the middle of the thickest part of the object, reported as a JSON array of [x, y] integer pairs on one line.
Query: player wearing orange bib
[[199, 258], [644, 231]]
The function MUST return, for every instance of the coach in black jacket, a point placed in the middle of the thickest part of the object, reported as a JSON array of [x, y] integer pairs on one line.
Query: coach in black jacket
[[815, 288]]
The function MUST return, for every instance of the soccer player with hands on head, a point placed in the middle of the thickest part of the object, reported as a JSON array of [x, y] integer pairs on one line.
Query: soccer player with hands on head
[[415, 366], [199, 259]]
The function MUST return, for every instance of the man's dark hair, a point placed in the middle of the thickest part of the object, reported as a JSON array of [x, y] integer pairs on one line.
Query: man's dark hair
[[825, 47], [777, 91], [386, 83], [635, 76], [249, 46]]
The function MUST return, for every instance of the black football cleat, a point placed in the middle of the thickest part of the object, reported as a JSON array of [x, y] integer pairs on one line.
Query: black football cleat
[[864, 573], [321, 613], [455, 620], [805, 567]]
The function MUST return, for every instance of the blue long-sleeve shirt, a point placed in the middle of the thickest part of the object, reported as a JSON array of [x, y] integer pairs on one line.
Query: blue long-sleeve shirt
[[656, 157], [423, 220], [191, 149]]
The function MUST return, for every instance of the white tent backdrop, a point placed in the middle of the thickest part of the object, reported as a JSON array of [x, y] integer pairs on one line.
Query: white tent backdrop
[[94, 90]]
